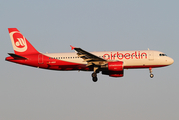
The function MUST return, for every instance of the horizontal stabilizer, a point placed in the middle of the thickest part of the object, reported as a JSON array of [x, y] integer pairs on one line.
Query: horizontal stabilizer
[[17, 57]]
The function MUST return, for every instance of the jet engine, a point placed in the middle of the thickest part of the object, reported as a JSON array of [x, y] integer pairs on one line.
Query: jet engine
[[114, 69]]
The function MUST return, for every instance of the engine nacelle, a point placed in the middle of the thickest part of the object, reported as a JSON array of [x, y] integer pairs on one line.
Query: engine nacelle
[[115, 66], [113, 73], [114, 69]]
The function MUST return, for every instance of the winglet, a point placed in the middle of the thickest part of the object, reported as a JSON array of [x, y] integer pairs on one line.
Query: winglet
[[72, 47]]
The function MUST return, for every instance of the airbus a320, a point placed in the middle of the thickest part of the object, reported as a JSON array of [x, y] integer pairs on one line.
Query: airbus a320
[[110, 63]]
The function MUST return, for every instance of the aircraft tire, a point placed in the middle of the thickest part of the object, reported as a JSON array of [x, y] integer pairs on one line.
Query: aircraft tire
[[94, 75], [151, 75], [95, 79]]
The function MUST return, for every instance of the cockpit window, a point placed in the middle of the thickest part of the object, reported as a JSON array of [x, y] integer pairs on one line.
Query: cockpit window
[[162, 55]]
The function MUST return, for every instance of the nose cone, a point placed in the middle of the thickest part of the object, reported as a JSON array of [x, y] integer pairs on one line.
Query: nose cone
[[170, 61]]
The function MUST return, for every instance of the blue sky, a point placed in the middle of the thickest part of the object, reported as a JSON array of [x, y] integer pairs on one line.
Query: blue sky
[[52, 26]]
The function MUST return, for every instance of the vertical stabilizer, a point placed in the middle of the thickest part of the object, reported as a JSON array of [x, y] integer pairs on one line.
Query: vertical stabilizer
[[20, 44]]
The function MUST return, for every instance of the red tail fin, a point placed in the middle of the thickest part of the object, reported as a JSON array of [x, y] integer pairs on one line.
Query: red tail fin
[[20, 44]]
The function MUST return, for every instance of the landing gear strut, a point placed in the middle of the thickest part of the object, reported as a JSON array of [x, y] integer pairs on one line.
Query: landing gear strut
[[151, 75], [94, 74]]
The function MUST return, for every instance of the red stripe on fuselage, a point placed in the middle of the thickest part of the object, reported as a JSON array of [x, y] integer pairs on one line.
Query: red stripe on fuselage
[[143, 66], [56, 64]]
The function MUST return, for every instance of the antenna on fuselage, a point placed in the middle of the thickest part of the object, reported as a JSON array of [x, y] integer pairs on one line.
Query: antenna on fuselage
[[148, 49]]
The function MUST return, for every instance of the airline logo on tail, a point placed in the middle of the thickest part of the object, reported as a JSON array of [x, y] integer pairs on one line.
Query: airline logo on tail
[[18, 41]]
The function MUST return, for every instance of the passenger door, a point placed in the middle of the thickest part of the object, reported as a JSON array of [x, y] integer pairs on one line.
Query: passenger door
[[40, 59], [150, 55]]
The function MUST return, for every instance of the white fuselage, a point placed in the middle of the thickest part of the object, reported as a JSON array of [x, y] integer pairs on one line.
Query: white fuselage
[[131, 59]]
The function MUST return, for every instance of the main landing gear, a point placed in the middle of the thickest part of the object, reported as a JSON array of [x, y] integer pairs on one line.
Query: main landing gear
[[94, 74], [94, 77], [151, 75]]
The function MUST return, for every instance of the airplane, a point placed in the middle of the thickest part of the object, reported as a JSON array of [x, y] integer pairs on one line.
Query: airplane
[[110, 63]]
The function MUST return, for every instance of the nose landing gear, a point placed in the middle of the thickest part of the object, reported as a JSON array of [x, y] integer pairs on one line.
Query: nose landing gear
[[151, 75]]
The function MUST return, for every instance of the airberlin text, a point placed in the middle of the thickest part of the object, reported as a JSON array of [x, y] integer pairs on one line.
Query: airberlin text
[[120, 56]]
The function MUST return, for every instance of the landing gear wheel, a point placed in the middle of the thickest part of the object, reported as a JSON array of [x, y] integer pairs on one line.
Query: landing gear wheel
[[95, 79], [94, 76], [151, 75]]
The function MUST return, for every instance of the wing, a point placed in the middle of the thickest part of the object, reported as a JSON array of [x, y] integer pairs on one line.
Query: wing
[[90, 58]]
